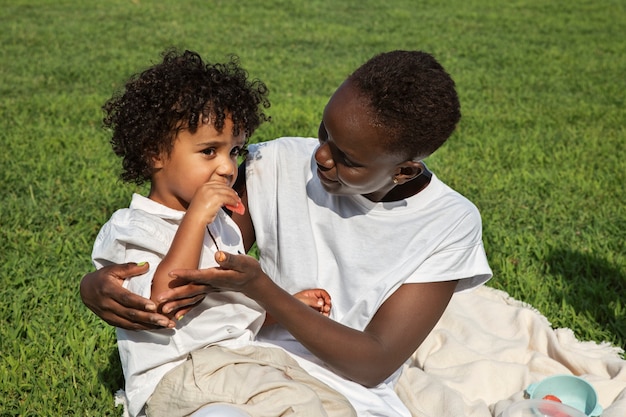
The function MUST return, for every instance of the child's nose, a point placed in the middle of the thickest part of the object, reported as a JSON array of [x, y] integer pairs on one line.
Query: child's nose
[[227, 167]]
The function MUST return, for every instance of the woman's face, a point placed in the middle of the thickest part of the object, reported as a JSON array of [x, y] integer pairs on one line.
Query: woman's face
[[351, 158]]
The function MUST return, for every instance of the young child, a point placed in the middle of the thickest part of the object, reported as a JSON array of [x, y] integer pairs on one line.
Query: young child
[[181, 125]]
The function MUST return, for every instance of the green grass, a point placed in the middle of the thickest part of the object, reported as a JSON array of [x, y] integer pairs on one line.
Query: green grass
[[540, 150]]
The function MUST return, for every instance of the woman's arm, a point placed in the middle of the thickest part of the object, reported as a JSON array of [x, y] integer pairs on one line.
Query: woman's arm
[[367, 357]]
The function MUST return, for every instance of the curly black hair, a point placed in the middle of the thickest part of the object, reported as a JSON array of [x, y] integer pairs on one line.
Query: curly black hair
[[179, 93], [412, 97]]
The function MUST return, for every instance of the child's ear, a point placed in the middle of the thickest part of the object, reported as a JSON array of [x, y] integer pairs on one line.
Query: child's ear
[[157, 161], [406, 171]]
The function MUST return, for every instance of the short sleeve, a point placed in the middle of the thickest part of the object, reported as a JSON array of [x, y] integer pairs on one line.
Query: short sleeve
[[128, 238], [461, 256]]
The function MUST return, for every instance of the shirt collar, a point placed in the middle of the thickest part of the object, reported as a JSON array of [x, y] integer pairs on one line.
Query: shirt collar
[[140, 202]]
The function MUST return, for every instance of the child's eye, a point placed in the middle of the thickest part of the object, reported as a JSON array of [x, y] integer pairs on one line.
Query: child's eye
[[237, 151], [209, 151]]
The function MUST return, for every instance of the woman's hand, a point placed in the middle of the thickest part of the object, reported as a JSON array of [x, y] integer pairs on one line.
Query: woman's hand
[[189, 286], [240, 273], [102, 293]]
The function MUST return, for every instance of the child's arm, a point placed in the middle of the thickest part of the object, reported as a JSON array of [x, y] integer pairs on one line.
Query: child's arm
[[186, 247], [316, 298]]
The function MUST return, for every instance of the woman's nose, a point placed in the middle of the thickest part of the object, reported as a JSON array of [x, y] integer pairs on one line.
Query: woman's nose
[[324, 157]]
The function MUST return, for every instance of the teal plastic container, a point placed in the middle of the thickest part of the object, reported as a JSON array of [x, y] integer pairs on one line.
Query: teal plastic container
[[541, 408], [571, 390]]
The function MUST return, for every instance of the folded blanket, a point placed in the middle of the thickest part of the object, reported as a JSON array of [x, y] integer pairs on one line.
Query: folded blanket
[[488, 347]]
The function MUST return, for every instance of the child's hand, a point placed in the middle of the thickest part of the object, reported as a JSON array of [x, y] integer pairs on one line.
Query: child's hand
[[209, 200], [317, 299]]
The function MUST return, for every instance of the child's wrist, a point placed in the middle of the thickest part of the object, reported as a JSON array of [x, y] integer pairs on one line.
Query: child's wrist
[[198, 217]]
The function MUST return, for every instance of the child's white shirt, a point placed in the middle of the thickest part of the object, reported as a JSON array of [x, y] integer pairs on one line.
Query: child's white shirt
[[144, 233]]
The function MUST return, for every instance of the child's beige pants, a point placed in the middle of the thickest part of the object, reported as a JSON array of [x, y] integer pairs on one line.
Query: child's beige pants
[[262, 381]]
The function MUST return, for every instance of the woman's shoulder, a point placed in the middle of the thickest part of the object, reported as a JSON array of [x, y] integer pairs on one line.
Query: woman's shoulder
[[439, 197]]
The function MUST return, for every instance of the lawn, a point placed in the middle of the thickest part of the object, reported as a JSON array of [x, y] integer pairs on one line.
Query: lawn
[[540, 150]]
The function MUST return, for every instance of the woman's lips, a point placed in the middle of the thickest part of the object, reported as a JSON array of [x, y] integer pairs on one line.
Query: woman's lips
[[323, 178]]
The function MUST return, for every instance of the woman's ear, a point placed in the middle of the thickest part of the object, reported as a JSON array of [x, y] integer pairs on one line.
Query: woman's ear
[[407, 171]]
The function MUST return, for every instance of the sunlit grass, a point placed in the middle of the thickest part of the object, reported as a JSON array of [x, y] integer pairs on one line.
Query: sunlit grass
[[540, 150]]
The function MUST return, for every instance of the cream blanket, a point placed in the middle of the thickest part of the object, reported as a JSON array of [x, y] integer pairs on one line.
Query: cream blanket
[[488, 347]]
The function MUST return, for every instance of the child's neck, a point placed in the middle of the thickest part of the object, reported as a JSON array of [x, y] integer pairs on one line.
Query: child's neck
[[169, 201]]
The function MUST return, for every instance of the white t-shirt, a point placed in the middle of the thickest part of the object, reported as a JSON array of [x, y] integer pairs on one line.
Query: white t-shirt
[[144, 233], [357, 250]]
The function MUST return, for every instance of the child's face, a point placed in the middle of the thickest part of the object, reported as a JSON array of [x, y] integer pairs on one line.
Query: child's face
[[351, 158], [195, 159]]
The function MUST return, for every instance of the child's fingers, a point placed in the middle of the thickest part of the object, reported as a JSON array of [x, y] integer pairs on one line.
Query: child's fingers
[[213, 196], [310, 301]]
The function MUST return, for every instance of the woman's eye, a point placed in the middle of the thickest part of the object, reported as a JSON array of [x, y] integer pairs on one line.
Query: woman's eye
[[322, 134], [348, 163]]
